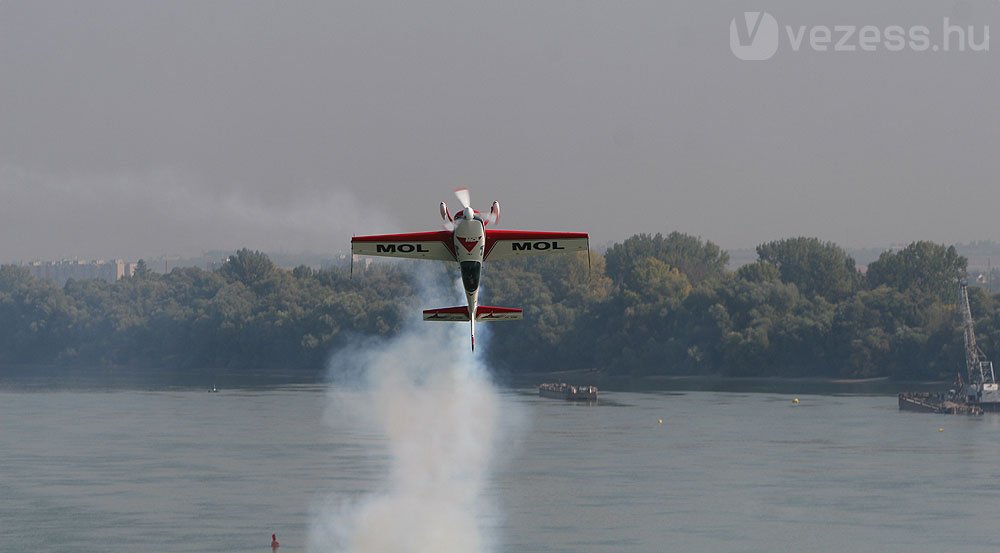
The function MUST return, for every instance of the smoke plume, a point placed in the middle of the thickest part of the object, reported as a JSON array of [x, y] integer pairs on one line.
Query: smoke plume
[[434, 404]]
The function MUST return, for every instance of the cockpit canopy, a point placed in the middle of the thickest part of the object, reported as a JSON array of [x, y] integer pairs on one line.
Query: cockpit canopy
[[470, 275]]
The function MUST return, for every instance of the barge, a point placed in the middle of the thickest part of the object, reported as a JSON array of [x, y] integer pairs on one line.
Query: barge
[[930, 402], [561, 390], [979, 392]]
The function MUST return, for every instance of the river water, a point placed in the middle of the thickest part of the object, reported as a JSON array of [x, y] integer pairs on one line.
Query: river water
[[185, 470]]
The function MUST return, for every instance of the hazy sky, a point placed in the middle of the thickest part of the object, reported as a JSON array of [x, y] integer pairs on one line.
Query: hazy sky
[[143, 128]]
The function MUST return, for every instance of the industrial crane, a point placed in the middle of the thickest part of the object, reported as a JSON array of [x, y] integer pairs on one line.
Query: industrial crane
[[981, 386]]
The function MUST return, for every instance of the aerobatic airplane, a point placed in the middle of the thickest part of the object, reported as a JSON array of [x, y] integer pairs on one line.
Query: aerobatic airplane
[[467, 241]]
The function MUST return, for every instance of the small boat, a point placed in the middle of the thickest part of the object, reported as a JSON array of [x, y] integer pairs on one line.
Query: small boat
[[561, 390], [213, 390]]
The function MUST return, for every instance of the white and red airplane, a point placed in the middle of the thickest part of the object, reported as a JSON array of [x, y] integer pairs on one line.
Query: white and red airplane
[[466, 240]]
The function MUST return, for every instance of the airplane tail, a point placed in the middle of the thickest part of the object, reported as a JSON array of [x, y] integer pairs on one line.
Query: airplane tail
[[484, 313]]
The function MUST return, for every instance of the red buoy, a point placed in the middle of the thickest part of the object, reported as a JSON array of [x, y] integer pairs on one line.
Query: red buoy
[[274, 542]]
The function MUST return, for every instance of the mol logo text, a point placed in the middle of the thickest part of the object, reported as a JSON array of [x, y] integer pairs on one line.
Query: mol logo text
[[401, 248], [528, 246]]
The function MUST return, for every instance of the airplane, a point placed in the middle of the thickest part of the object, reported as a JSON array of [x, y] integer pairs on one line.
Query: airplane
[[467, 241]]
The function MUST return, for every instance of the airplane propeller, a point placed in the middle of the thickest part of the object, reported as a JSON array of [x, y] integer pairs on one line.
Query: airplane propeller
[[463, 197]]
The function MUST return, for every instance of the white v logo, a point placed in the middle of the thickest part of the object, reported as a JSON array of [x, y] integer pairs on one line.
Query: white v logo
[[746, 35], [755, 38]]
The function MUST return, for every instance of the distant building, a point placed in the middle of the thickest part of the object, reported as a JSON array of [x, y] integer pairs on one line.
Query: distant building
[[66, 269]]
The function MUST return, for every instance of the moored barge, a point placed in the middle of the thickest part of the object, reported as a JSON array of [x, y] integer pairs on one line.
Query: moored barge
[[561, 390], [979, 392]]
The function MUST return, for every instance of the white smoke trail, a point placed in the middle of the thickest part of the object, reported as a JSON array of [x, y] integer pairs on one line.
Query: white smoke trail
[[437, 408]]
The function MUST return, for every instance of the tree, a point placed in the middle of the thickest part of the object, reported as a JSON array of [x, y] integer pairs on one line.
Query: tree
[[13, 277], [817, 268], [923, 266], [248, 267], [759, 271], [697, 259], [906, 335], [303, 271], [142, 270], [772, 329], [36, 318], [654, 287], [798, 311]]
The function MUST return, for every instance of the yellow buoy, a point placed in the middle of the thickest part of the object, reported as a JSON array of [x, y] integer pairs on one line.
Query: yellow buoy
[[795, 401], [940, 429], [659, 421]]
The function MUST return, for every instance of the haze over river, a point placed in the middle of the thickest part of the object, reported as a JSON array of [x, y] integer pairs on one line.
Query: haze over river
[[184, 470]]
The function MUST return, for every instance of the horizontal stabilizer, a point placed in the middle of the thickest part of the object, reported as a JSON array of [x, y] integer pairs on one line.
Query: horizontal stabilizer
[[459, 314], [490, 313], [483, 313]]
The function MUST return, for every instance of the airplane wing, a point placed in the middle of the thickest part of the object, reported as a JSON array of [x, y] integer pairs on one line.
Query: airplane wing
[[505, 244], [414, 245]]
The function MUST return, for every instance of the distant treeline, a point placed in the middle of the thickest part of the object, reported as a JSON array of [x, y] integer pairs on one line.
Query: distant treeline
[[649, 305]]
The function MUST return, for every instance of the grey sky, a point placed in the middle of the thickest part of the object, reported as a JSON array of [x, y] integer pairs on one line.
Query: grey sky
[[140, 128]]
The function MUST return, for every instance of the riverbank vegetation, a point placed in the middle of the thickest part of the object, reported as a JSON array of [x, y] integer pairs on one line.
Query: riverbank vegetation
[[652, 304]]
